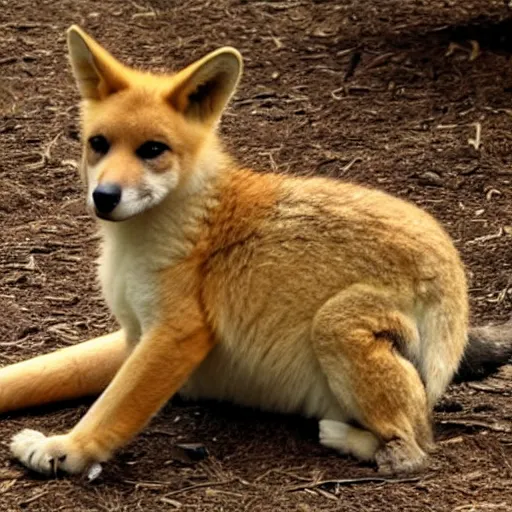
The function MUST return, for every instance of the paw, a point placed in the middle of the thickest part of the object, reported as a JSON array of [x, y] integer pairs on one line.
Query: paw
[[47, 455], [400, 457], [345, 438], [334, 434]]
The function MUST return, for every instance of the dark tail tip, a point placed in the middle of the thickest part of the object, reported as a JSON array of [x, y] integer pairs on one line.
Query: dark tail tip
[[488, 348]]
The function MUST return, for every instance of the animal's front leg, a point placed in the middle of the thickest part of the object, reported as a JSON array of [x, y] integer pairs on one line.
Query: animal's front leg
[[155, 370]]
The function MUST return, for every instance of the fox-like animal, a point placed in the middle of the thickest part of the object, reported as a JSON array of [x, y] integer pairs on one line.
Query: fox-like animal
[[298, 295]]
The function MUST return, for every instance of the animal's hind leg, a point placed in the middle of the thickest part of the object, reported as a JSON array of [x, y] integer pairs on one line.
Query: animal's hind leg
[[360, 336], [84, 369]]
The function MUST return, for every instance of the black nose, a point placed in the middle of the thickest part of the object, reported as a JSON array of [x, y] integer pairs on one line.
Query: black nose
[[106, 197]]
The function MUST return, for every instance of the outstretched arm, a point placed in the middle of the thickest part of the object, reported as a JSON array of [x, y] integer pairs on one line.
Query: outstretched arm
[[84, 369], [155, 370]]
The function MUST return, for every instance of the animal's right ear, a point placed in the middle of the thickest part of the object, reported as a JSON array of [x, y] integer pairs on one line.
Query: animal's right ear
[[202, 90], [97, 73]]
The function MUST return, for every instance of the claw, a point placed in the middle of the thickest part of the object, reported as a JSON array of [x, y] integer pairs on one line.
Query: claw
[[30, 457], [53, 466], [94, 472]]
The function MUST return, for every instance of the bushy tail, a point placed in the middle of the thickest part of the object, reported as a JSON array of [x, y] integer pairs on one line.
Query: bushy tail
[[488, 348]]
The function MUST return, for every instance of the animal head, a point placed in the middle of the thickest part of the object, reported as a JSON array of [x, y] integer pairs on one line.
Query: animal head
[[146, 136]]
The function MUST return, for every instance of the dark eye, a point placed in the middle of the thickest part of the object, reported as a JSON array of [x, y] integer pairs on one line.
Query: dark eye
[[151, 149], [99, 144]]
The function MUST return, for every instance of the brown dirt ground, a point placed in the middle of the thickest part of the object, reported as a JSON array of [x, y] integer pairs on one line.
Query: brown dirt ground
[[363, 90]]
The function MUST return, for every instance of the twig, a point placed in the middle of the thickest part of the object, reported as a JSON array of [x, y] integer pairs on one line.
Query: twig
[[26, 502], [9, 343], [277, 41], [24, 26], [326, 494], [475, 50], [8, 60], [213, 492], [486, 389], [350, 164], [502, 295], [379, 60], [448, 126], [506, 111], [282, 472], [485, 237], [476, 141], [278, 6], [198, 486], [174, 503], [341, 53], [7, 485], [147, 484], [150, 14], [352, 481], [477, 507], [335, 94], [473, 53], [273, 164], [47, 151], [495, 427]]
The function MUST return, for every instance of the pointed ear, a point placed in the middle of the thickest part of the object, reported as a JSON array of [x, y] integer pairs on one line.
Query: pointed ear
[[203, 89], [97, 73]]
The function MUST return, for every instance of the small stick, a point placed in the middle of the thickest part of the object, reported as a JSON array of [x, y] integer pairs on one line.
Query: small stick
[[485, 237], [174, 503], [26, 502], [350, 164], [495, 427], [448, 126], [476, 141], [351, 481], [475, 50], [47, 152], [8, 60], [486, 389], [198, 486]]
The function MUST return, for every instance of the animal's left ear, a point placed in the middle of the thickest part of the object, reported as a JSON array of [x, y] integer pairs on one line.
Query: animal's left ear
[[203, 89], [97, 73]]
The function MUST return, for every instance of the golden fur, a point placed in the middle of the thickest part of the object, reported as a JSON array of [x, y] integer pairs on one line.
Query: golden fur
[[291, 294]]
